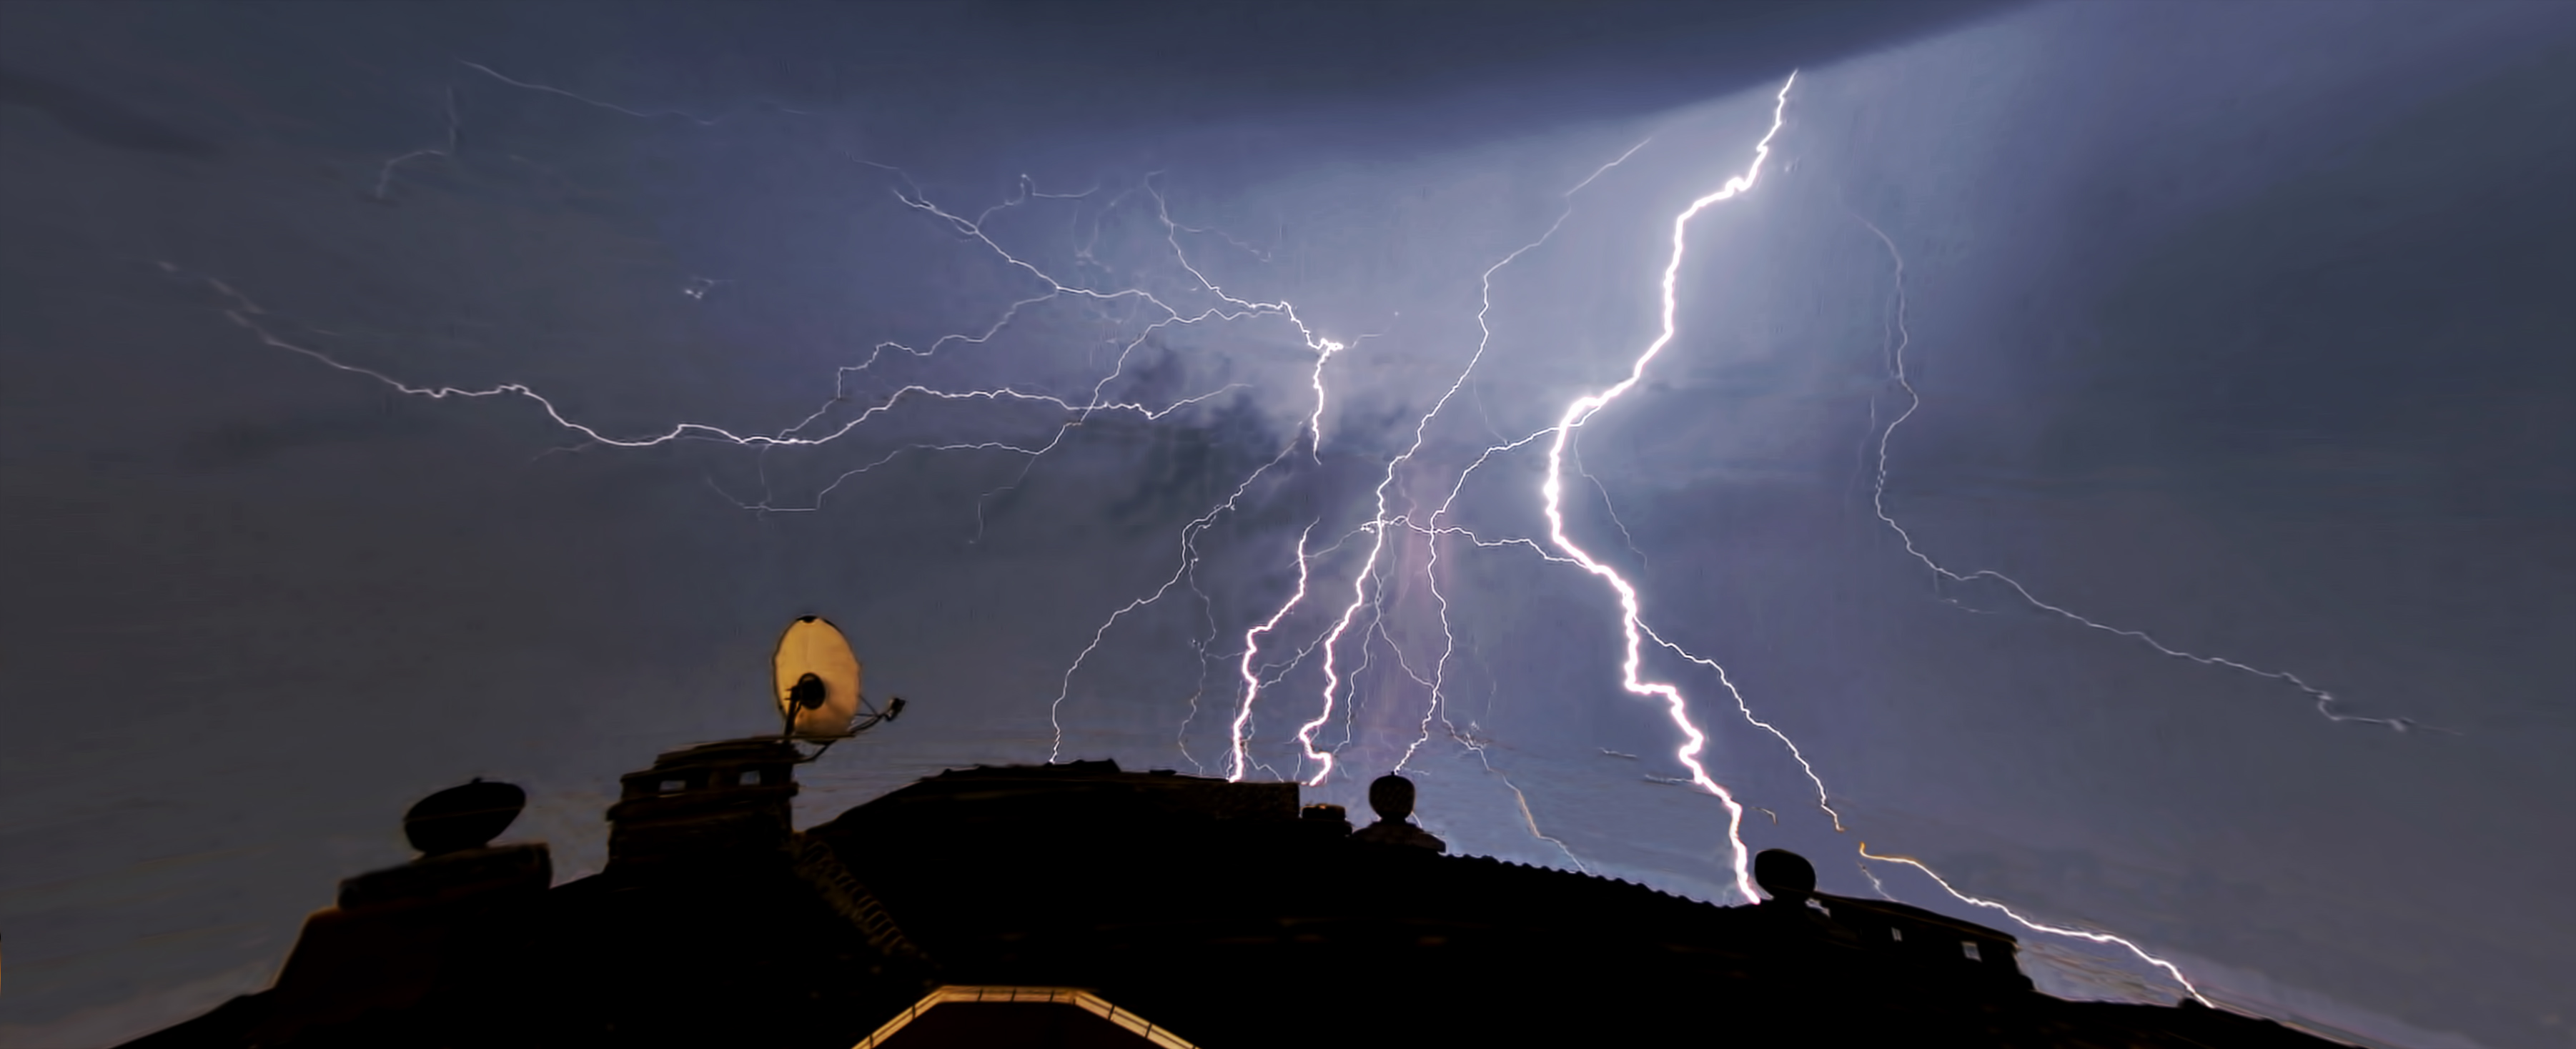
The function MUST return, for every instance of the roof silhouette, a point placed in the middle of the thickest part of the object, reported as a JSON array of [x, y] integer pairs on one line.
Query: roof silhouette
[[1208, 911]]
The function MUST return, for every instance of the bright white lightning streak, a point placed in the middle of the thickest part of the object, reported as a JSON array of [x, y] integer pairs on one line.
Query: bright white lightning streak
[[1878, 502], [1315, 422], [1359, 598], [1635, 631], [1552, 491], [1237, 764], [1823, 796], [2059, 930]]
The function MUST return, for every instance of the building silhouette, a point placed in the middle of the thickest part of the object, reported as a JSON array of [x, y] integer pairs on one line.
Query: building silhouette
[[1084, 905]]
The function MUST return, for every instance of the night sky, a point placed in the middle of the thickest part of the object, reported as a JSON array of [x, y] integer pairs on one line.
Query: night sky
[[2248, 327]]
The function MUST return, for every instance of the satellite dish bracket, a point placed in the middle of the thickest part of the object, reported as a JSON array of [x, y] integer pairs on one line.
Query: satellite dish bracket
[[824, 743]]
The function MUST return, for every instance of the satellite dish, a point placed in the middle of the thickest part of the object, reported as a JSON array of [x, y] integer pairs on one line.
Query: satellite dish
[[461, 818], [818, 680]]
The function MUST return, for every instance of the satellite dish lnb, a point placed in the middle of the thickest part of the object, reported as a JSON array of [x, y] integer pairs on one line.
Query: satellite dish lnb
[[818, 679]]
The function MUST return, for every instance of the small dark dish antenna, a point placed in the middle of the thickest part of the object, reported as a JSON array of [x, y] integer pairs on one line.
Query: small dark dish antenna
[[818, 687], [462, 818]]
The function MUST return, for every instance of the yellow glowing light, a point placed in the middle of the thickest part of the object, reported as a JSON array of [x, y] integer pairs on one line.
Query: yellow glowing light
[[1076, 997]]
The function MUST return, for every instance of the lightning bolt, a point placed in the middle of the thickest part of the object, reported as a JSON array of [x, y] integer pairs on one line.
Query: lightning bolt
[[1635, 632], [1239, 764], [1902, 339], [1552, 493], [2056, 930]]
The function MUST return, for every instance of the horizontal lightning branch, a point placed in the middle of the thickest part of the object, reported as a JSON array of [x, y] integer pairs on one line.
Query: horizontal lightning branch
[[2055, 930]]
